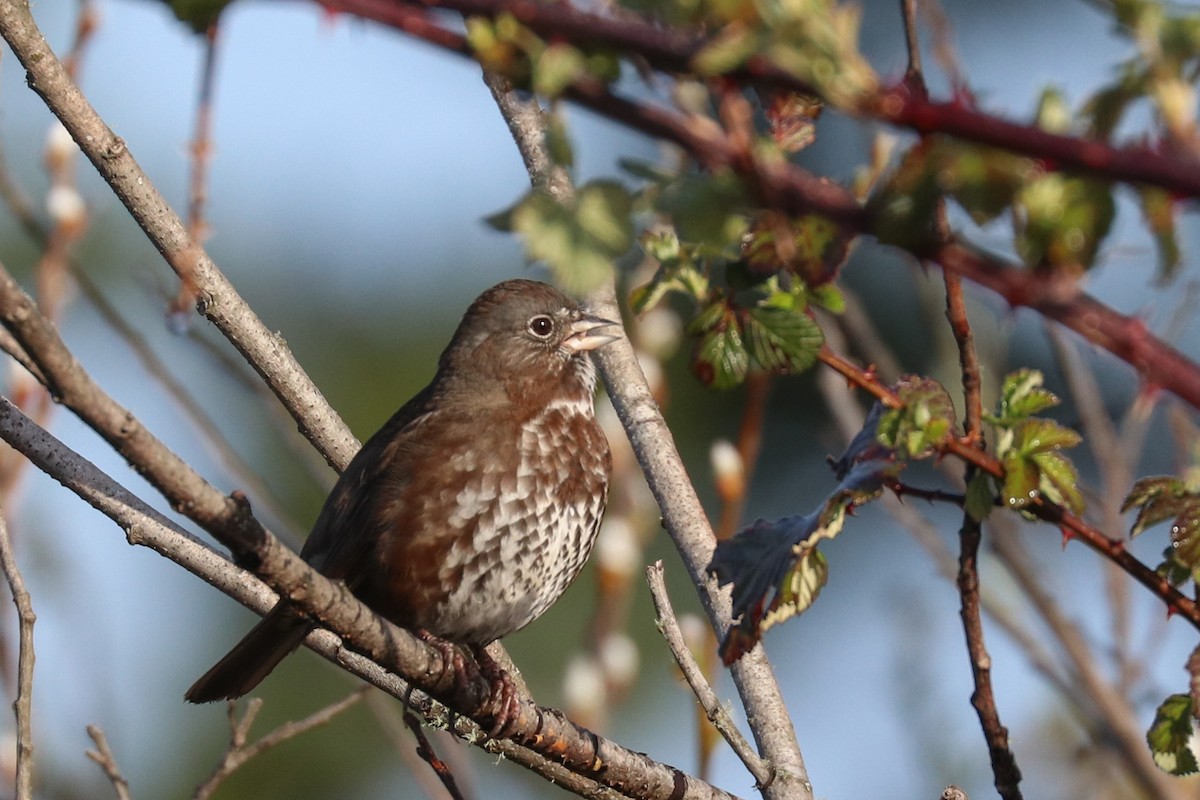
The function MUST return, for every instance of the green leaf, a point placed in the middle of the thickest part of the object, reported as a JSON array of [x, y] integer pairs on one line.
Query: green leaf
[[811, 247], [558, 143], [792, 119], [829, 297], [1059, 481], [1171, 734], [198, 14], [721, 360], [982, 180], [1161, 498], [1157, 498], [556, 68], [1062, 220], [1021, 482], [782, 340], [1034, 468], [579, 241], [1021, 397], [728, 50], [981, 497], [923, 422], [1158, 209], [1107, 107], [708, 211]]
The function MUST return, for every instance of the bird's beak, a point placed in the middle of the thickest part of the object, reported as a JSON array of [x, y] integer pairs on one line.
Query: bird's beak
[[586, 333]]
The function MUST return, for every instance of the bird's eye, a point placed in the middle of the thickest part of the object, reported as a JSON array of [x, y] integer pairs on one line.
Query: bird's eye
[[541, 326]]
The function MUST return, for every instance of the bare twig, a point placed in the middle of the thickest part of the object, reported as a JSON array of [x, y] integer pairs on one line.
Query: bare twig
[[1006, 775], [201, 152], [239, 752], [103, 756], [429, 756], [220, 302], [668, 625], [23, 705]]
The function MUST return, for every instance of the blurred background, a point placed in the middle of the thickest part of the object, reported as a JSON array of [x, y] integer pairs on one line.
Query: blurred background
[[351, 173]]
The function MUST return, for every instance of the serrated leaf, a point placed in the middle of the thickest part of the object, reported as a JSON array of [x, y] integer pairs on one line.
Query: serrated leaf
[[829, 297], [1021, 482], [1034, 467], [558, 142], [721, 360], [811, 247], [1059, 480], [1022, 396], [1171, 734], [792, 118], [676, 274], [983, 181], [1042, 435], [1157, 498], [782, 340], [708, 211]]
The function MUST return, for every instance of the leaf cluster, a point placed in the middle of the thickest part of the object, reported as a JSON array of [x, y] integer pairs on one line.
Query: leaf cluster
[[1030, 447]]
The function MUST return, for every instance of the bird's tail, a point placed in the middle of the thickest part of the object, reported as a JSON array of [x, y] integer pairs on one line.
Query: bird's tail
[[253, 658]]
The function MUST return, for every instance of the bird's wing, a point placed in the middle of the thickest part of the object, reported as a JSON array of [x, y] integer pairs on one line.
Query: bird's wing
[[341, 536]]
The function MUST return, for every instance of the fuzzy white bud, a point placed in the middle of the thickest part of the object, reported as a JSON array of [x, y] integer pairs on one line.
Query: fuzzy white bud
[[728, 470]]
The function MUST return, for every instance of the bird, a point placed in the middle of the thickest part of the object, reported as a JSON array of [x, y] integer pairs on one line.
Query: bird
[[474, 507]]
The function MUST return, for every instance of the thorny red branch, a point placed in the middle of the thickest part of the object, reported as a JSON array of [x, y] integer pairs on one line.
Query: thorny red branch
[[674, 51], [788, 188], [1070, 525]]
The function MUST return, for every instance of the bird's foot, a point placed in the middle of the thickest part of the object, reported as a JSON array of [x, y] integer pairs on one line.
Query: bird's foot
[[505, 702]]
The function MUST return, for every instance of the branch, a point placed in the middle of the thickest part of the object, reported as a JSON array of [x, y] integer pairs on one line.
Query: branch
[[23, 705], [219, 301], [544, 731], [1071, 526], [786, 187], [103, 756], [239, 752], [672, 51], [682, 514], [668, 625]]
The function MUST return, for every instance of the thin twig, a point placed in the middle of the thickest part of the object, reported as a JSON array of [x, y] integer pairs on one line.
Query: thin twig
[[429, 756], [239, 752], [103, 756], [201, 152], [220, 301], [668, 626], [391, 719], [23, 705]]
